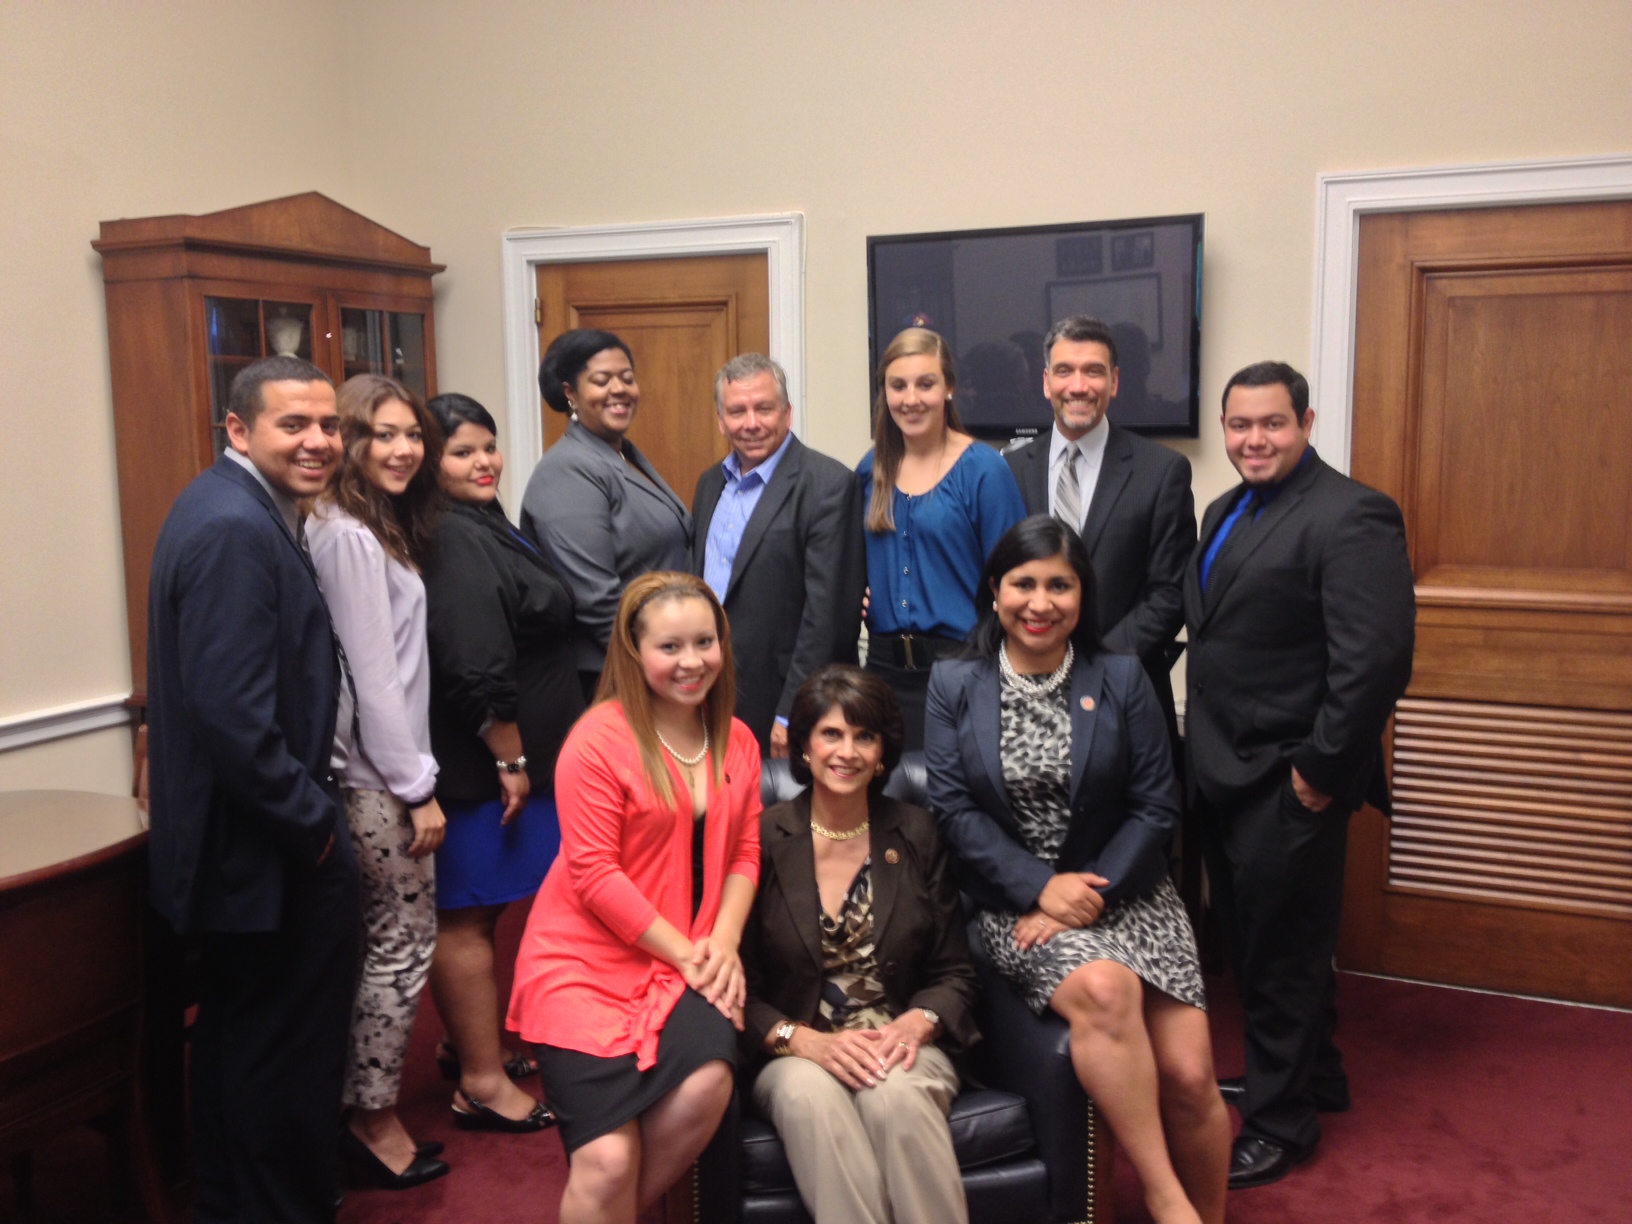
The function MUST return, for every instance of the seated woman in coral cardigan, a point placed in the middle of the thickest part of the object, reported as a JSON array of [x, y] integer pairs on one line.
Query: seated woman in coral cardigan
[[628, 982]]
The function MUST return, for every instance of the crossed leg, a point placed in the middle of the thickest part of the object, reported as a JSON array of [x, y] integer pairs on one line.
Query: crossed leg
[[1111, 1051]]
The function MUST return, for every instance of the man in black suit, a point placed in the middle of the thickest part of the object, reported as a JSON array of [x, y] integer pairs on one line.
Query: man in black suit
[[1129, 499], [778, 538], [249, 848], [1301, 614]]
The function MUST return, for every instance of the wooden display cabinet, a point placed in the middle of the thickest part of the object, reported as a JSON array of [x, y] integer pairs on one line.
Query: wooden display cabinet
[[193, 300]]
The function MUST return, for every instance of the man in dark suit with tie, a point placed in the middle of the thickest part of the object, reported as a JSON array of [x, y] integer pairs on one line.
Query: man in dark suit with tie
[[1127, 497], [1301, 614], [778, 538], [249, 848]]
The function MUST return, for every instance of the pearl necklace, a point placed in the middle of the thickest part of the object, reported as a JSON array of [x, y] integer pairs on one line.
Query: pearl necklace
[[835, 835], [689, 762], [1028, 686]]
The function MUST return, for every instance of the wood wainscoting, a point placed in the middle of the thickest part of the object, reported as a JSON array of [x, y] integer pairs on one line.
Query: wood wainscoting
[[1493, 400]]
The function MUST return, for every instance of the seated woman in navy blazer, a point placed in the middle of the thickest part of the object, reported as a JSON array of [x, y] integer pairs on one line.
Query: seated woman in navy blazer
[[1052, 782]]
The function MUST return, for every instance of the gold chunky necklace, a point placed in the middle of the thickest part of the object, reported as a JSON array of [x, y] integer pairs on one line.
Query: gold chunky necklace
[[835, 835]]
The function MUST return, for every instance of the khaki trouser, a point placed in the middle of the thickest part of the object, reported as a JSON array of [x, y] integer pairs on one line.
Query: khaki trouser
[[871, 1157]]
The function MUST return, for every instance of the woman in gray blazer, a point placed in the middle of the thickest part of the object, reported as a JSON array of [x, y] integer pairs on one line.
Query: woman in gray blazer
[[595, 505]]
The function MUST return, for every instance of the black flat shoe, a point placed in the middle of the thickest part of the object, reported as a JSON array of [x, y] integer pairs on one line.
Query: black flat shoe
[[447, 1062], [1257, 1162], [376, 1172], [476, 1116], [430, 1147], [1330, 1099]]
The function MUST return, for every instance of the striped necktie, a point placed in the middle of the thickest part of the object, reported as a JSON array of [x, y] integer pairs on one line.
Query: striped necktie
[[1068, 493]]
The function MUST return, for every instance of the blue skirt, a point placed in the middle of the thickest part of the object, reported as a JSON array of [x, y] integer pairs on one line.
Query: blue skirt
[[482, 862]]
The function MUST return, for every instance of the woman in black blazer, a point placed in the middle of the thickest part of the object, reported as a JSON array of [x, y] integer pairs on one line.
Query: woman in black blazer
[[859, 980], [504, 693], [1052, 782]]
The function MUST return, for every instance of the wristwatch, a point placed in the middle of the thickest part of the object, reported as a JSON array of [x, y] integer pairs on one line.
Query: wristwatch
[[783, 1033], [933, 1016], [515, 766]]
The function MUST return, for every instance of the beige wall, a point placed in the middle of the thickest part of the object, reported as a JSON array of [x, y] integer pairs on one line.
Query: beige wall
[[465, 119]]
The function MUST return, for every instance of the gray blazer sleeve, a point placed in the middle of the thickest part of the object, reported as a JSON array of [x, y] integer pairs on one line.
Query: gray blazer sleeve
[[568, 510]]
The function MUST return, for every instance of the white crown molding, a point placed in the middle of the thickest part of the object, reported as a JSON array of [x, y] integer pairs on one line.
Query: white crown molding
[[780, 236], [1344, 198], [60, 722]]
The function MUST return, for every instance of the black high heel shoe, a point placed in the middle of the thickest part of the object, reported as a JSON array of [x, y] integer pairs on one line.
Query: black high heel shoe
[[375, 1171]]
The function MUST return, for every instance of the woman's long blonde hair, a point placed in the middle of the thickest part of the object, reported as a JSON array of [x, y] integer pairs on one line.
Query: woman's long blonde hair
[[888, 444], [624, 678]]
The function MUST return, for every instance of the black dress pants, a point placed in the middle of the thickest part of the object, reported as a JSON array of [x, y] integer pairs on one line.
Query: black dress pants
[[1276, 874], [269, 1054]]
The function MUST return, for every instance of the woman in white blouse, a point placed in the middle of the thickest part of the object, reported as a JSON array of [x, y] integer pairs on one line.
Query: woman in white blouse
[[368, 537]]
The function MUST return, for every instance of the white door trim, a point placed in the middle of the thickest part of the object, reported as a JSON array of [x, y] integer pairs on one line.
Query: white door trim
[[1344, 198], [780, 236]]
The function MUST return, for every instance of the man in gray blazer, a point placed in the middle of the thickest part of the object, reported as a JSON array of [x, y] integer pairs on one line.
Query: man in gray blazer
[[1127, 497], [778, 538]]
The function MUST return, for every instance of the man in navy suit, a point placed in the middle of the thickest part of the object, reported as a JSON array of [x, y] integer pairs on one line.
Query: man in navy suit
[[249, 848], [1301, 611], [778, 538], [1127, 497]]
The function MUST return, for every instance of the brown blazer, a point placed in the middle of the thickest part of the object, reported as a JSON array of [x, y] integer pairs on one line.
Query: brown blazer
[[918, 924]]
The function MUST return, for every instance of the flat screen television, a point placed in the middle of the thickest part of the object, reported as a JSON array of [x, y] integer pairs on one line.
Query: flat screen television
[[994, 293]]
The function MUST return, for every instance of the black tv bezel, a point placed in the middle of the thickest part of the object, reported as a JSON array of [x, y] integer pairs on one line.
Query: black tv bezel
[[1189, 429]]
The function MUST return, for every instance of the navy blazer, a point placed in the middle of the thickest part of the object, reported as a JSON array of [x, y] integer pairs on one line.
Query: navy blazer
[[794, 598], [243, 681], [1124, 797]]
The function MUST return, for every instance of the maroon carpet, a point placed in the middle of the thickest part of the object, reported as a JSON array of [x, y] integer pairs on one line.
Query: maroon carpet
[[1467, 1107]]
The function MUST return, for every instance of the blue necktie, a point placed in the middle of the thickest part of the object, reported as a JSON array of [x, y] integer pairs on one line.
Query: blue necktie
[[1246, 505]]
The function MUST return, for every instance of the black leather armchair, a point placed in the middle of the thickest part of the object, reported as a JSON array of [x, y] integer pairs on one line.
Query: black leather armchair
[[1029, 1142]]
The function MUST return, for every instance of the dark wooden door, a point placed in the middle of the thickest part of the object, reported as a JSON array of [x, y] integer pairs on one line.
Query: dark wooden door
[[683, 319], [1493, 399]]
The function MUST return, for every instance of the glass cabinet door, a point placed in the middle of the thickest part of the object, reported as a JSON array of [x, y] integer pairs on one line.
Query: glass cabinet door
[[384, 342], [239, 331]]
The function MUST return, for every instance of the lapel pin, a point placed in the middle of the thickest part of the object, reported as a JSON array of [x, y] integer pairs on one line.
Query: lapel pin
[[1087, 703], [892, 857]]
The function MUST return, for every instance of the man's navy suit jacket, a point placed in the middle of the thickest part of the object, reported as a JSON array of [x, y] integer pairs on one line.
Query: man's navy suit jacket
[[242, 686]]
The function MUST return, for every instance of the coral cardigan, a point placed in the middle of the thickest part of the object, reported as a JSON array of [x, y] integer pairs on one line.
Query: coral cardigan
[[581, 982]]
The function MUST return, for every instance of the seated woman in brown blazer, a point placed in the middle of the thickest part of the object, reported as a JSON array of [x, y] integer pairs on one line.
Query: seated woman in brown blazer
[[859, 980]]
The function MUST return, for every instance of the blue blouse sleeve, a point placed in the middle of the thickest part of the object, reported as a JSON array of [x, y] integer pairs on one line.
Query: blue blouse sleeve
[[997, 503]]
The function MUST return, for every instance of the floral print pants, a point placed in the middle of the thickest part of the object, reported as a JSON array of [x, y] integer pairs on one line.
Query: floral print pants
[[399, 927]]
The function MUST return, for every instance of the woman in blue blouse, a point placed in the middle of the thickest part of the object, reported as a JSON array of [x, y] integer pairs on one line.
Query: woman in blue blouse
[[936, 506]]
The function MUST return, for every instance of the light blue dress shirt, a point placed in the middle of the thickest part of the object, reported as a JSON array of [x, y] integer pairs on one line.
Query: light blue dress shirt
[[731, 514]]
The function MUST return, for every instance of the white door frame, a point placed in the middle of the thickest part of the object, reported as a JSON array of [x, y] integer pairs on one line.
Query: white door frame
[[1344, 198], [780, 236]]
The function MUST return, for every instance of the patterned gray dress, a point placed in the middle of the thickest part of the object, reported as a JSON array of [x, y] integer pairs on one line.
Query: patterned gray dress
[[1150, 935]]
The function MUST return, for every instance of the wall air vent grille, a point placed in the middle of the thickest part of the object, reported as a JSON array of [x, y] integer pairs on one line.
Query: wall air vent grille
[[1520, 805]]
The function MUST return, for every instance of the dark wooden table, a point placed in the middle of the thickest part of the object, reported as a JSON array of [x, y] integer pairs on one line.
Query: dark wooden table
[[75, 996]]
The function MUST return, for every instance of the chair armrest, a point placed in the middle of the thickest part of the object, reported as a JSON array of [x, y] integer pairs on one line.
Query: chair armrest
[[1031, 1055]]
